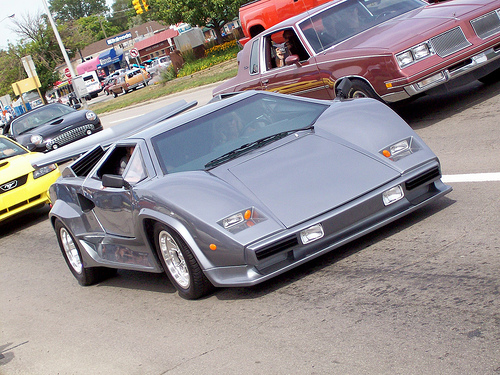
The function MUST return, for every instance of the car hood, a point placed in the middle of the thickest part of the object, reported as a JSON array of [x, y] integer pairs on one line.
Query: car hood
[[296, 185], [15, 166], [412, 27], [58, 125]]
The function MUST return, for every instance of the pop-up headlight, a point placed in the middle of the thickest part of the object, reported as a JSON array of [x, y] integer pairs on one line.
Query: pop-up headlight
[[400, 149], [242, 220]]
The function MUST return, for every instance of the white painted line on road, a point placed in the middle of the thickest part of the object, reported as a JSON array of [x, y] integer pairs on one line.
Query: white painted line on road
[[124, 119], [472, 177]]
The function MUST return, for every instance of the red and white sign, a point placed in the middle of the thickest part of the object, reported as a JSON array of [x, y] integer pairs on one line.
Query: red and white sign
[[134, 52], [67, 72]]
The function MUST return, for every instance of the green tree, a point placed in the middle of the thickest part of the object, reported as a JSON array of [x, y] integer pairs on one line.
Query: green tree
[[98, 27], [67, 10], [37, 40], [121, 12], [210, 13]]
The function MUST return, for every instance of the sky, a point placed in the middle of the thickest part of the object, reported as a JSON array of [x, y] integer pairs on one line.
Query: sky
[[22, 8]]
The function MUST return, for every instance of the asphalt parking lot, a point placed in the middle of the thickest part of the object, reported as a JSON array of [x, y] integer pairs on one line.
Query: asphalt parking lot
[[418, 296]]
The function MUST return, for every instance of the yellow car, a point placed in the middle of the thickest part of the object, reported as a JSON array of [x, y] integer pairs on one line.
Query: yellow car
[[21, 186]]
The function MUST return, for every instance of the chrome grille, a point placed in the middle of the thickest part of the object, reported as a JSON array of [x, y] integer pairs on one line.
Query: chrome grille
[[70, 136], [487, 25], [449, 42], [13, 184]]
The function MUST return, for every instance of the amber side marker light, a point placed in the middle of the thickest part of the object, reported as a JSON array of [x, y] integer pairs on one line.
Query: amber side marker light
[[386, 153], [247, 215], [213, 247]]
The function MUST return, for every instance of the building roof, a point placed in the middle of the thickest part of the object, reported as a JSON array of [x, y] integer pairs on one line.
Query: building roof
[[97, 47], [156, 38]]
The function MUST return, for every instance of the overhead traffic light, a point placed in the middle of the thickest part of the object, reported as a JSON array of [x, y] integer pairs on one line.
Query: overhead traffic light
[[137, 6], [145, 4]]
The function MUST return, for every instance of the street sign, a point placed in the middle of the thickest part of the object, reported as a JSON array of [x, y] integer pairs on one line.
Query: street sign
[[134, 52], [67, 72], [29, 66]]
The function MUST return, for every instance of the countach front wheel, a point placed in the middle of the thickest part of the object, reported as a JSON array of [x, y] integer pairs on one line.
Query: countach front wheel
[[73, 257], [180, 264]]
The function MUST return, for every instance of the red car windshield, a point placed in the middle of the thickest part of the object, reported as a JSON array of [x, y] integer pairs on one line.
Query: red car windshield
[[351, 17]]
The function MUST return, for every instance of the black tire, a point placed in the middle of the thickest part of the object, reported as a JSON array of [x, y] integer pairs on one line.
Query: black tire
[[67, 244], [115, 94], [493, 77], [360, 89], [179, 264]]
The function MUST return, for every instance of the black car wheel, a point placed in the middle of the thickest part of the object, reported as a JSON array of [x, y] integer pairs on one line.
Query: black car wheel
[[180, 264], [361, 89], [72, 256], [115, 94]]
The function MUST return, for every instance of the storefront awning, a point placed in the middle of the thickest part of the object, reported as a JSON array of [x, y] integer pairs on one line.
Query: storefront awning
[[111, 56], [88, 66]]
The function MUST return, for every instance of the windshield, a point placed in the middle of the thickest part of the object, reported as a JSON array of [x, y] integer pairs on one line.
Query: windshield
[[197, 144], [44, 115], [9, 149], [352, 17]]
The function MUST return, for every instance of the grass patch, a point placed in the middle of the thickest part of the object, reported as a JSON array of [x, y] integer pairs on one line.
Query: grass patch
[[212, 74]]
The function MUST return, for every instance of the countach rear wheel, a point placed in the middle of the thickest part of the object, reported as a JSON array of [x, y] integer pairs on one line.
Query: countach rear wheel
[[73, 257], [179, 264]]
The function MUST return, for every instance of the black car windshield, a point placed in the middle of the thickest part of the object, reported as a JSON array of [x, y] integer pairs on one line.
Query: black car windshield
[[253, 121], [352, 17], [9, 149], [37, 117]]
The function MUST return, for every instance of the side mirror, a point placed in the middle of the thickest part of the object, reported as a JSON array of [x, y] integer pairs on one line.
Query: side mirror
[[292, 59], [114, 181]]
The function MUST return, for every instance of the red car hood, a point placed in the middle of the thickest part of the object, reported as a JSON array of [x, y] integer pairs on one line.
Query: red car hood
[[409, 27]]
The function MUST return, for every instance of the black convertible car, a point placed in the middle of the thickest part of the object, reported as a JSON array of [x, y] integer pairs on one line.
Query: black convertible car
[[51, 126], [238, 191]]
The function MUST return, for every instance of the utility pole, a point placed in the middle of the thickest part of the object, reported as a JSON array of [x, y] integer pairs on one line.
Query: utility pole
[[63, 50]]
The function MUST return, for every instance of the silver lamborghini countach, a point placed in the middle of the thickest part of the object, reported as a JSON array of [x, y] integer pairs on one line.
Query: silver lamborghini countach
[[240, 190]]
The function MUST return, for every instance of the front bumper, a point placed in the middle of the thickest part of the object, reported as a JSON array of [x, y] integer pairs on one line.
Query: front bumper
[[31, 193], [272, 256], [459, 74]]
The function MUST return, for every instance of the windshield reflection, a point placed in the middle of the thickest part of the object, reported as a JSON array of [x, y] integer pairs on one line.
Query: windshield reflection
[[193, 145]]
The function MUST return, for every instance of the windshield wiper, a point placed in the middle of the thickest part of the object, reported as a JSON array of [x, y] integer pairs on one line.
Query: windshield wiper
[[252, 146]]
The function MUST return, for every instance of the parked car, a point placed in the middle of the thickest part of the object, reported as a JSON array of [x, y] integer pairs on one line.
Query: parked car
[[22, 187], [390, 50], [240, 190], [130, 80], [158, 65], [108, 82], [51, 126]]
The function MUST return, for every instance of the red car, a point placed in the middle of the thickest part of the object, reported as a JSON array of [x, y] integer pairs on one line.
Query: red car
[[387, 49], [256, 16]]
